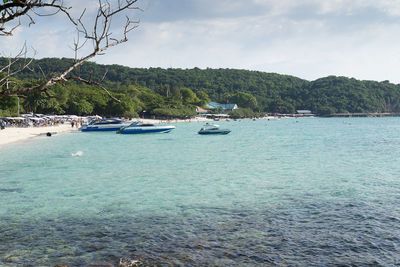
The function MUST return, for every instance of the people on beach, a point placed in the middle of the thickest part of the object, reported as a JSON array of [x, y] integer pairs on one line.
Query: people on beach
[[30, 121]]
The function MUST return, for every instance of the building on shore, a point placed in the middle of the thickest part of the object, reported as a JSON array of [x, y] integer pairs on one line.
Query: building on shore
[[200, 110], [304, 113], [224, 107]]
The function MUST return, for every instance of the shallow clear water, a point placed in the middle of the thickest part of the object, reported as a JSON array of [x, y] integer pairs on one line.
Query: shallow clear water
[[279, 192]]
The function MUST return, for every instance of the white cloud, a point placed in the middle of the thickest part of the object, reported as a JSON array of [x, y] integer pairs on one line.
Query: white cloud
[[307, 38], [324, 7], [11, 45], [77, 7], [307, 48]]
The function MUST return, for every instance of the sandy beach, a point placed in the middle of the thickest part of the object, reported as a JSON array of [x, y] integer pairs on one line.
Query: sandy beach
[[15, 134]]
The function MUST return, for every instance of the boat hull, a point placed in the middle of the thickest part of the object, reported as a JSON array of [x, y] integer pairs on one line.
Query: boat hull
[[98, 129], [103, 128], [146, 130], [207, 132]]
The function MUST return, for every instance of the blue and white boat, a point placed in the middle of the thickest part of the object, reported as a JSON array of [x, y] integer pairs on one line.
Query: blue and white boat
[[102, 125], [140, 127]]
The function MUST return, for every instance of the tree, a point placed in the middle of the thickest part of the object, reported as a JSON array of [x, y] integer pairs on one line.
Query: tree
[[189, 97], [10, 104], [176, 92], [244, 100], [40, 103], [11, 12], [241, 113], [151, 101], [125, 108], [80, 106], [204, 99]]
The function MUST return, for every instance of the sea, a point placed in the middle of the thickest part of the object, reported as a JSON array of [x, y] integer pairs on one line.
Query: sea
[[287, 192]]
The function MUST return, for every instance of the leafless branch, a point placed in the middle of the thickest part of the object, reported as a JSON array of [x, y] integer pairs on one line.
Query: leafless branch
[[44, 75], [100, 36], [10, 71], [48, 94], [104, 76], [16, 9]]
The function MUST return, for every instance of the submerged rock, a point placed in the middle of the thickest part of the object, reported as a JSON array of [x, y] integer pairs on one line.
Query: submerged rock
[[101, 264], [125, 262]]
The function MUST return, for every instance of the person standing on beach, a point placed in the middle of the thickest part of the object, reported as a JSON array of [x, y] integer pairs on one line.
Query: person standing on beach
[[72, 124], [2, 125]]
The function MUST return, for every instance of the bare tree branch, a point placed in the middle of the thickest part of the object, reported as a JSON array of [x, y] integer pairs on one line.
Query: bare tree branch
[[100, 36], [10, 71], [19, 8]]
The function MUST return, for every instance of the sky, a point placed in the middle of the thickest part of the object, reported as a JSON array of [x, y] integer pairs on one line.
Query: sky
[[309, 39]]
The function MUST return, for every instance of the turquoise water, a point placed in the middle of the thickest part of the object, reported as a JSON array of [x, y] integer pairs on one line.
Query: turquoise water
[[280, 192]]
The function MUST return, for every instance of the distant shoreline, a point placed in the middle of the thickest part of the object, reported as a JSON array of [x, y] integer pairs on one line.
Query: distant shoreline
[[11, 135]]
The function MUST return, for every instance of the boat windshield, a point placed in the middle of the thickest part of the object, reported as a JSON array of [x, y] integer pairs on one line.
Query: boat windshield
[[211, 126], [141, 124], [107, 122]]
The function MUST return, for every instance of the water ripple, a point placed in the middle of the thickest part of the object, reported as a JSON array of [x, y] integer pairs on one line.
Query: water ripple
[[339, 234]]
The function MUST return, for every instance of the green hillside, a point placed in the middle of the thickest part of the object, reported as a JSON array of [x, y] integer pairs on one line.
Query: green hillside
[[175, 92]]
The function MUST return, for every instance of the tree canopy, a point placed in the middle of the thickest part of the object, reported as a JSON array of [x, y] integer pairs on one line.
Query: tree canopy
[[176, 92]]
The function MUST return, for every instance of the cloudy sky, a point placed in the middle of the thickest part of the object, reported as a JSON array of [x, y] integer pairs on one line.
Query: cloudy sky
[[309, 39]]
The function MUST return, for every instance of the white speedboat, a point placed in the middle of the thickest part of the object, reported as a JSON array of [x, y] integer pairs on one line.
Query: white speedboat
[[140, 127], [102, 125], [213, 129]]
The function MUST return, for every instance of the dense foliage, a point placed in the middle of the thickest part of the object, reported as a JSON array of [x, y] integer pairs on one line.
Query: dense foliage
[[176, 92]]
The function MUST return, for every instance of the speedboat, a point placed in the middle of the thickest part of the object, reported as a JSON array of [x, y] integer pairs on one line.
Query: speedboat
[[101, 125], [213, 129], [139, 127]]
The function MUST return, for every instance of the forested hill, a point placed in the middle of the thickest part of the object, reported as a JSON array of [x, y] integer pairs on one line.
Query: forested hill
[[272, 92]]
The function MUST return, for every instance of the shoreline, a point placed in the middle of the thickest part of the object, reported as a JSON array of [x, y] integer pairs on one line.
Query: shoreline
[[13, 135]]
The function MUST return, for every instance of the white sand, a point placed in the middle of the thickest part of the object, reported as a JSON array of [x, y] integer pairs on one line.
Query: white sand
[[13, 135]]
